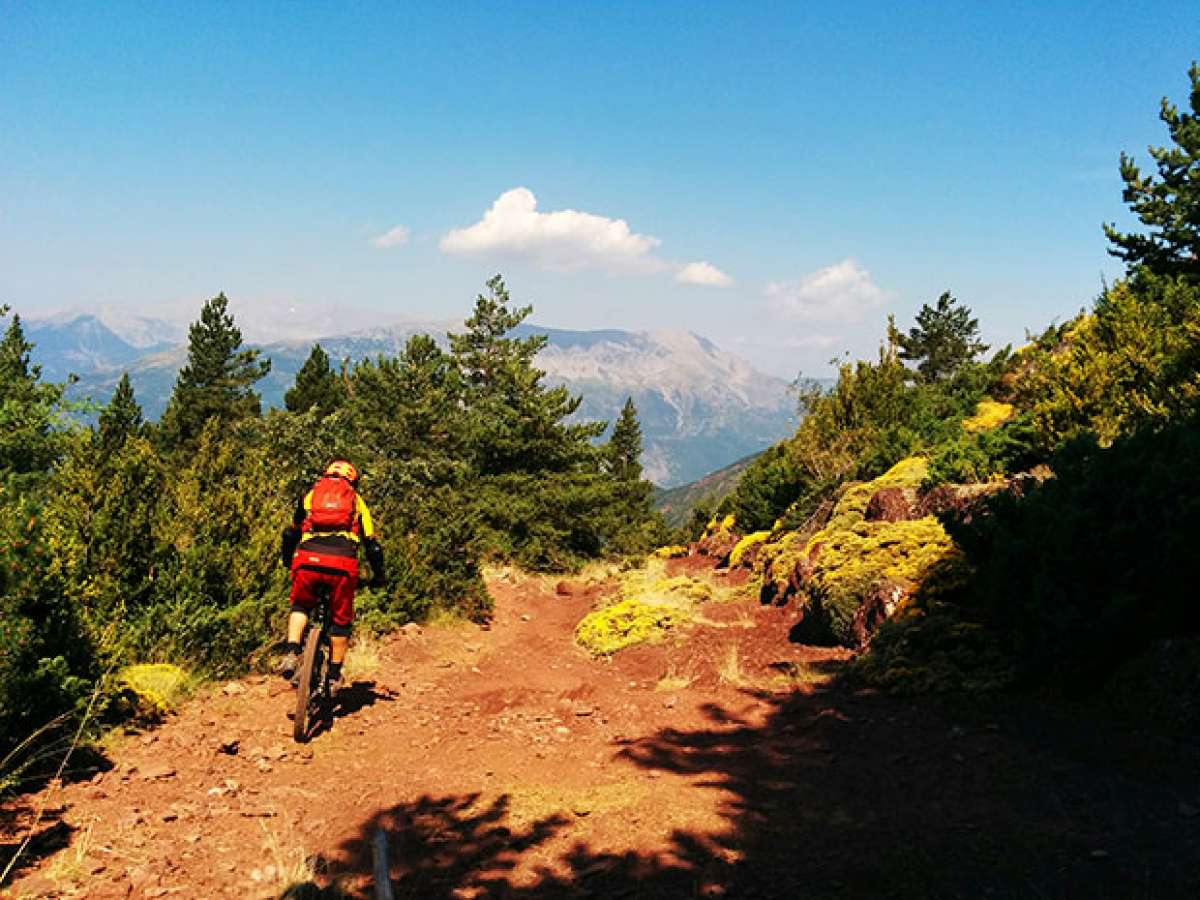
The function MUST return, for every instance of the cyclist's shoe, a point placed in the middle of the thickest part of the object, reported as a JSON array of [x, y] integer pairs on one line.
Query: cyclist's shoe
[[336, 679], [288, 665]]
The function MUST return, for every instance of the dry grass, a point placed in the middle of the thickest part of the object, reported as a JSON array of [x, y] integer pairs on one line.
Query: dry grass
[[69, 867], [363, 659], [673, 681], [532, 803], [598, 571], [729, 669], [440, 617], [798, 676], [289, 864]]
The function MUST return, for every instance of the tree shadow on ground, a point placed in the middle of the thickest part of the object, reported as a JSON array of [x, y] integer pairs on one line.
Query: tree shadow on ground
[[21, 816], [47, 839], [840, 795]]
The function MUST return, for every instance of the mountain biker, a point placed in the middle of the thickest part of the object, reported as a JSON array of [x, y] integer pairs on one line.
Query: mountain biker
[[320, 548]]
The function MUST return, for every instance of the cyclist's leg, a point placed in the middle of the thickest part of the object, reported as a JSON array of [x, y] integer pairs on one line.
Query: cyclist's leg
[[303, 596], [297, 619], [341, 607]]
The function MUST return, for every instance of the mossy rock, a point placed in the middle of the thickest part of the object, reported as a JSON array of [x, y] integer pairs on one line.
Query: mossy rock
[[847, 562], [776, 561], [852, 505], [157, 688], [745, 545], [625, 624]]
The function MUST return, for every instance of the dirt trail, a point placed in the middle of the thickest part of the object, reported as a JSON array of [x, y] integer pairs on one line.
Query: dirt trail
[[505, 762]]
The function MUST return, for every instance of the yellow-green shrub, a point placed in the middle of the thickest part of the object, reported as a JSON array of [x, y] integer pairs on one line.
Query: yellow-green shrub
[[626, 623], [718, 524], [157, 687], [647, 605], [742, 547], [988, 415]]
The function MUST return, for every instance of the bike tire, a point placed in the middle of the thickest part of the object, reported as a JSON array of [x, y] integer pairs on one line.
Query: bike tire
[[309, 665]]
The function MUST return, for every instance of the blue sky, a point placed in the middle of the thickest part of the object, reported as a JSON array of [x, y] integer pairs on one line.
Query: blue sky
[[786, 174]]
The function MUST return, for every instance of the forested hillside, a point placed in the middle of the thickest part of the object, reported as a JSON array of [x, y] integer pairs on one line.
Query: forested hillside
[[132, 542]]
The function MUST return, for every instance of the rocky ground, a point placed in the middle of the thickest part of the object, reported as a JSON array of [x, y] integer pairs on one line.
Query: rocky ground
[[507, 763]]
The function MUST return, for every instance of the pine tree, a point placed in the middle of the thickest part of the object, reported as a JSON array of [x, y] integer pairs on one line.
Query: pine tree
[[636, 527], [217, 381], [1169, 204], [944, 339], [514, 422], [317, 385], [16, 371], [624, 448], [29, 408], [120, 419]]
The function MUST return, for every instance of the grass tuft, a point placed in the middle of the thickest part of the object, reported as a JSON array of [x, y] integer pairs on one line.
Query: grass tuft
[[363, 658]]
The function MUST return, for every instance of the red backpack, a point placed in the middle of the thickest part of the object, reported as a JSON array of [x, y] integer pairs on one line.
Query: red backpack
[[333, 505]]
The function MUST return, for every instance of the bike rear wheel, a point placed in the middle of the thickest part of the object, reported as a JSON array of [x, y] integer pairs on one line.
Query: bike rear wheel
[[308, 687]]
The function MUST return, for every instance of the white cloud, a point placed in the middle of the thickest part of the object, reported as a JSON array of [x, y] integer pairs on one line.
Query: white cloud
[[561, 241], [843, 292], [568, 240], [703, 273], [393, 237]]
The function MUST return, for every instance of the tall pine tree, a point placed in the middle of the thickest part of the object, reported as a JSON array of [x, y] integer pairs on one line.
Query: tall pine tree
[[29, 408], [636, 526], [1167, 204], [624, 449], [514, 422], [944, 339], [317, 385], [218, 380], [120, 419]]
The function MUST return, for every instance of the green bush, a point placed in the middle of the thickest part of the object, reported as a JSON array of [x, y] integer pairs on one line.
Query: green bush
[[980, 455], [1092, 565], [47, 662]]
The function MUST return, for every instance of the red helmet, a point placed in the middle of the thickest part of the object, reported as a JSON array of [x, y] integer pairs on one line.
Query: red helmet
[[342, 469]]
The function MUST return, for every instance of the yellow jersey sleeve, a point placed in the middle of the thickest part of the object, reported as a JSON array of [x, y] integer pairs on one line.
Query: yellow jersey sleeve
[[364, 517]]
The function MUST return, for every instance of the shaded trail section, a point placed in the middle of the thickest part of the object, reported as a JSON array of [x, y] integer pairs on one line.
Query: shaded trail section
[[506, 763]]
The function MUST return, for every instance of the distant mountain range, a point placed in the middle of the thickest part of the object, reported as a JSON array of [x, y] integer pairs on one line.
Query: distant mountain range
[[701, 407]]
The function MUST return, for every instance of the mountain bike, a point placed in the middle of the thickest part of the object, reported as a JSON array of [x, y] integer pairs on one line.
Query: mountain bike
[[312, 679]]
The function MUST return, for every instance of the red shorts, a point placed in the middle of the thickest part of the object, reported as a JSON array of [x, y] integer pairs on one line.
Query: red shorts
[[305, 594]]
